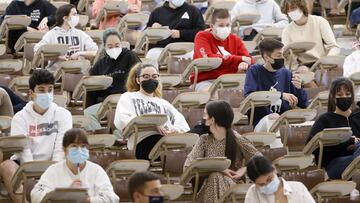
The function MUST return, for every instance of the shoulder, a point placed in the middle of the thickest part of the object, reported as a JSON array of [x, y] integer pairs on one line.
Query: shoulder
[[94, 167], [128, 96], [157, 10], [251, 191], [254, 69], [43, 2], [54, 168], [62, 111], [295, 185], [204, 138], [203, 33], [16, 4], [191, 8]]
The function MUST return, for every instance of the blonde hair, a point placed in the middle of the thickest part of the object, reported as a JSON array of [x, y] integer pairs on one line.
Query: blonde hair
[[131, 83]]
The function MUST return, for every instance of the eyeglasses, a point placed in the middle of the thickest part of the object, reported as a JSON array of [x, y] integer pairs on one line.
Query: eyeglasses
[[153, 76]]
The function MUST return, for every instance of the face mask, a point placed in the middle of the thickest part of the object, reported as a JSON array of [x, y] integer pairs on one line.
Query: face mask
[[156, 199], [43, 100], [74, 20], [278, 63], [114, 52], [78, 155], [149, 86], [222, 32], [206, 129], [177, 3], [272, 187], [296, 14], [344, 103]]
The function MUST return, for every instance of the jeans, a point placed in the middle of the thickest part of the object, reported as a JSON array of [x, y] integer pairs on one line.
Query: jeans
[[337, 166], [17, 102]]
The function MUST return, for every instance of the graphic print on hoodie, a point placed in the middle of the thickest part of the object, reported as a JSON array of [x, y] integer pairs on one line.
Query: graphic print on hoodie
[[45, 132], [77, 40]]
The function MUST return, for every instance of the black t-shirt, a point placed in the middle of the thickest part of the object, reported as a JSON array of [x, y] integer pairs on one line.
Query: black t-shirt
[[333, 120], [118, 69]]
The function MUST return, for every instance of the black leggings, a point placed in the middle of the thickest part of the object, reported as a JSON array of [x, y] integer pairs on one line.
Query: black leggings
[[144, 147]]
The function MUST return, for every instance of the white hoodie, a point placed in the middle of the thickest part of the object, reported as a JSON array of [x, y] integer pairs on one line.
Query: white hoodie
[[92, 177], [80, 41], [133, 104], [269, 10], [352, 65], [45, 131]]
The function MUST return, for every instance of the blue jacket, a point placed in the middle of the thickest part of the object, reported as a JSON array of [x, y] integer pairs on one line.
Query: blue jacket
[[260, 79]]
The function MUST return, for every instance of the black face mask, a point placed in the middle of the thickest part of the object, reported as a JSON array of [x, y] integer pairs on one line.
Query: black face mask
[[344, 103], [156, 199], [149, 86], [205, 128], [278, 63]]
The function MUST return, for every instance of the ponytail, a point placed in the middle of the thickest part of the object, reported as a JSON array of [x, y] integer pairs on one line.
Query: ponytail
[[231, 146]]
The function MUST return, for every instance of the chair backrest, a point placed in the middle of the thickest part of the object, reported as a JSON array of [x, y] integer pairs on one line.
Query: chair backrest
[[80, 121], [12, 144], [293, 162], [91, 83], [151, 36], [108, 104], [6, 107], [236, 193], [191, 99], [274, 153], [174, 49], [309, 178], [101, 141], [26, 38], [321, 100], [236, 81], [217, 5], [10, 66], [201, 64], [111, 8], [172, 192], [66, 195], [49, 52], [20, 84]]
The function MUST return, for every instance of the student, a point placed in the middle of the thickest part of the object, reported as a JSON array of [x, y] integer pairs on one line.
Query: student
[[221, 141], [270, 188], [183, 19], [76, 172], [352, 63], [144, 97], [270, 16], [43, 122], [145, 187], [311, 28], [337, 158], [41, 12], [116, 63], [113, 20], [221, 43], [273, 76], [80, 44]]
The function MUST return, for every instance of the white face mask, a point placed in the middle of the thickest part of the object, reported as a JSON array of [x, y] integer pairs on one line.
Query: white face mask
[[114, 52], [74, 20], [296, 15], [222, 32], [177, 3]]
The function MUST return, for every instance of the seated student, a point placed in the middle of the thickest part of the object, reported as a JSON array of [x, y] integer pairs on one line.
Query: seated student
[[41, 12], [269, 10], [221, 43], [144, 97], [17, 102], [145, 187], [337, 158], [43, 122], [269, 187], [183, 19], [113, 21], [273, 76], [76, 172], [352, 63], [116, 63], [80, 44], [311, 28], [221, 141]]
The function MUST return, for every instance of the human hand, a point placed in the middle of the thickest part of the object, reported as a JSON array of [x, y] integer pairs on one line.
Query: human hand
[[175, 34], [246, 59], [133, 8], [156, 25], [76, 55], [292, 99], [237, 175], [296, 81], [63, 58], [43, 24], [243, 67], [76, 184], [227, 172], [162, 130], [248, 31], [30, 29]]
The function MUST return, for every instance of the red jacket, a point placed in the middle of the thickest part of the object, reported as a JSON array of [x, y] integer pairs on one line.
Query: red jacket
[[206, 45]]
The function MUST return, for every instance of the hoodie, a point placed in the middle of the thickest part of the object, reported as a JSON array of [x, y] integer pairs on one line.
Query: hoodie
[[133, 104], [269, 10], [352, 65], [38, 10], [187, 19], [118, 69], [77, 40], [45, 131]]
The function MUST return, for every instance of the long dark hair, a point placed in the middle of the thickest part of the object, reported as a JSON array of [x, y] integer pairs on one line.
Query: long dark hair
[[258, 166], [335, 87], [61, 12], [223, 114]]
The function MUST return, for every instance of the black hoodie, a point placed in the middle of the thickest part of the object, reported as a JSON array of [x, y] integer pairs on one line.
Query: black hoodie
[[38, 10], [187, 18], [118, 69]]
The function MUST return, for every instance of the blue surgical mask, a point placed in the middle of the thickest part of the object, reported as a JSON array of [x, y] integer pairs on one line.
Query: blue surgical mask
[[177, 3], [272, 187], [78, 155], [43, 100]]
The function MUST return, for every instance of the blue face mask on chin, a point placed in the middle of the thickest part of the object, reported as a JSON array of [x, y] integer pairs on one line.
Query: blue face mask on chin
[[44, 100], [272, 187], [78, 155]]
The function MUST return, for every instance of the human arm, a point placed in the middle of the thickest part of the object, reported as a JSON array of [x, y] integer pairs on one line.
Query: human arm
[[298, 91], [198, 151], [104, 192], [97, 6], [125, 112], [45, 40], [349, 66], [197, 24], [20, 127], [65, 124], [180, 125], [251, 84], [328, 38], [280, 19], [306, 196], [44, 186], [90, 48]]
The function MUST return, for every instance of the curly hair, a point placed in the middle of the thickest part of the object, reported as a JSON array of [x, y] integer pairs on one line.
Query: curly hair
[[301, 4]]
